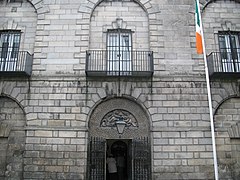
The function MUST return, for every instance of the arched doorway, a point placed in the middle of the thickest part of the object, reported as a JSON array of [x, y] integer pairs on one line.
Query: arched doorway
[[131, 148], [227, 126], [12, 138]]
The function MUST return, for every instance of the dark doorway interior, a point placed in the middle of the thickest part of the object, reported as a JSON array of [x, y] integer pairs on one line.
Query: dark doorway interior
[[120, 149], [135, 154]]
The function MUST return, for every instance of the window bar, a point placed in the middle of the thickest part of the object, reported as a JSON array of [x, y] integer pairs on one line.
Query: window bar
[[20, 58], [87, 58], [95, 61], [91, 60], [119, 52], [99, 60], [137, 61]]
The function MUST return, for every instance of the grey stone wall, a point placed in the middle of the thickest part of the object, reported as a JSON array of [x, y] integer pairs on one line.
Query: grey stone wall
[[217, 17], [58, 100], [57, 127]]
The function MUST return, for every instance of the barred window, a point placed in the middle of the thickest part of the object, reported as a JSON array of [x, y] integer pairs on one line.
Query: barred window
[[9, 48], [229, 46], [119, 48], [11, 1]]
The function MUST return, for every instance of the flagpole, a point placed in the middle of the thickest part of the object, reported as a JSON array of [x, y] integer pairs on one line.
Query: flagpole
[[209, 98]]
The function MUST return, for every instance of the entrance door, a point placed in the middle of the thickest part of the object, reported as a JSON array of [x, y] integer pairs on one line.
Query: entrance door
[[133, 158], [120, 151]]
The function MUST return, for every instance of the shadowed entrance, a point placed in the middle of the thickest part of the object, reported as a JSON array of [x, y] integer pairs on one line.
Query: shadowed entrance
[[130, 147]]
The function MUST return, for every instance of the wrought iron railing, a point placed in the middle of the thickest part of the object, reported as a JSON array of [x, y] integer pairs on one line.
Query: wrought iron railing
[[119, 63], [224, 63], [16, 62]]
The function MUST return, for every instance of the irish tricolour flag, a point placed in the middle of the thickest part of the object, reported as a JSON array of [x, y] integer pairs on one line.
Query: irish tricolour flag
[[199, 44]]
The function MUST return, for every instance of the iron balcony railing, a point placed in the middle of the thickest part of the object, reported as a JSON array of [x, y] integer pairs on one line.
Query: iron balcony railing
[[12, 63], [119, 63], [224, 64]]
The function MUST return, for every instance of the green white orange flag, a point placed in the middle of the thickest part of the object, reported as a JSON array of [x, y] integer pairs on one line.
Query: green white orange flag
[[199, 44]]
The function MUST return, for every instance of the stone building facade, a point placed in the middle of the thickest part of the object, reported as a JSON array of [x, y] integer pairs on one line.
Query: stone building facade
[[72, 72]]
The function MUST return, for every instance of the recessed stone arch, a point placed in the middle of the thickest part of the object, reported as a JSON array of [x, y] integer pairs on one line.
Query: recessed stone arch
[[227, 115], [223, 100], [12, 137], [227, 91], [128, 15], [39, 6], [227, 131], [28, 27], [206, 3], [10, 90], [88, 7], [141, 123], [15, 104]]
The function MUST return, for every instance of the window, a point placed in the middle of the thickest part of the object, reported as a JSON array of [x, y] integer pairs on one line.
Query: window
[[119, 48], [9, 48], [229, 44], [14, 1]]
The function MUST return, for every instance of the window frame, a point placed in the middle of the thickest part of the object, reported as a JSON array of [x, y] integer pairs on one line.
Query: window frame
[[14, 1], [119, 55], [9, 49], [229, 48]]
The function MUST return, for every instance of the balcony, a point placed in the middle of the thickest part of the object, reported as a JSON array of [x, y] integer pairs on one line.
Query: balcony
[[15, 63], [224, 64], [119, 63]]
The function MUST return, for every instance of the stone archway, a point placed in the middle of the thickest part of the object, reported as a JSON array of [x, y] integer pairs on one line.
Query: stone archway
[[133, 21], [39, 7], [12, 138], [151, 8], [133, 145], [226, 119], [140, 124], [206, 3]]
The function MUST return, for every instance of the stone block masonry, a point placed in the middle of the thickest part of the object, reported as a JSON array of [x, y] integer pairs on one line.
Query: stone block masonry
[[59, 153], [46, 120], [57, 147]]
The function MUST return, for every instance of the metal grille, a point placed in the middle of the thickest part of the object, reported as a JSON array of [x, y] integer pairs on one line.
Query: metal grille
[[11, 59], [229, 44], [224, 62], [96, 159], [119, 59], [9, 43], [10, 1], [141, 159], [98, 64]]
